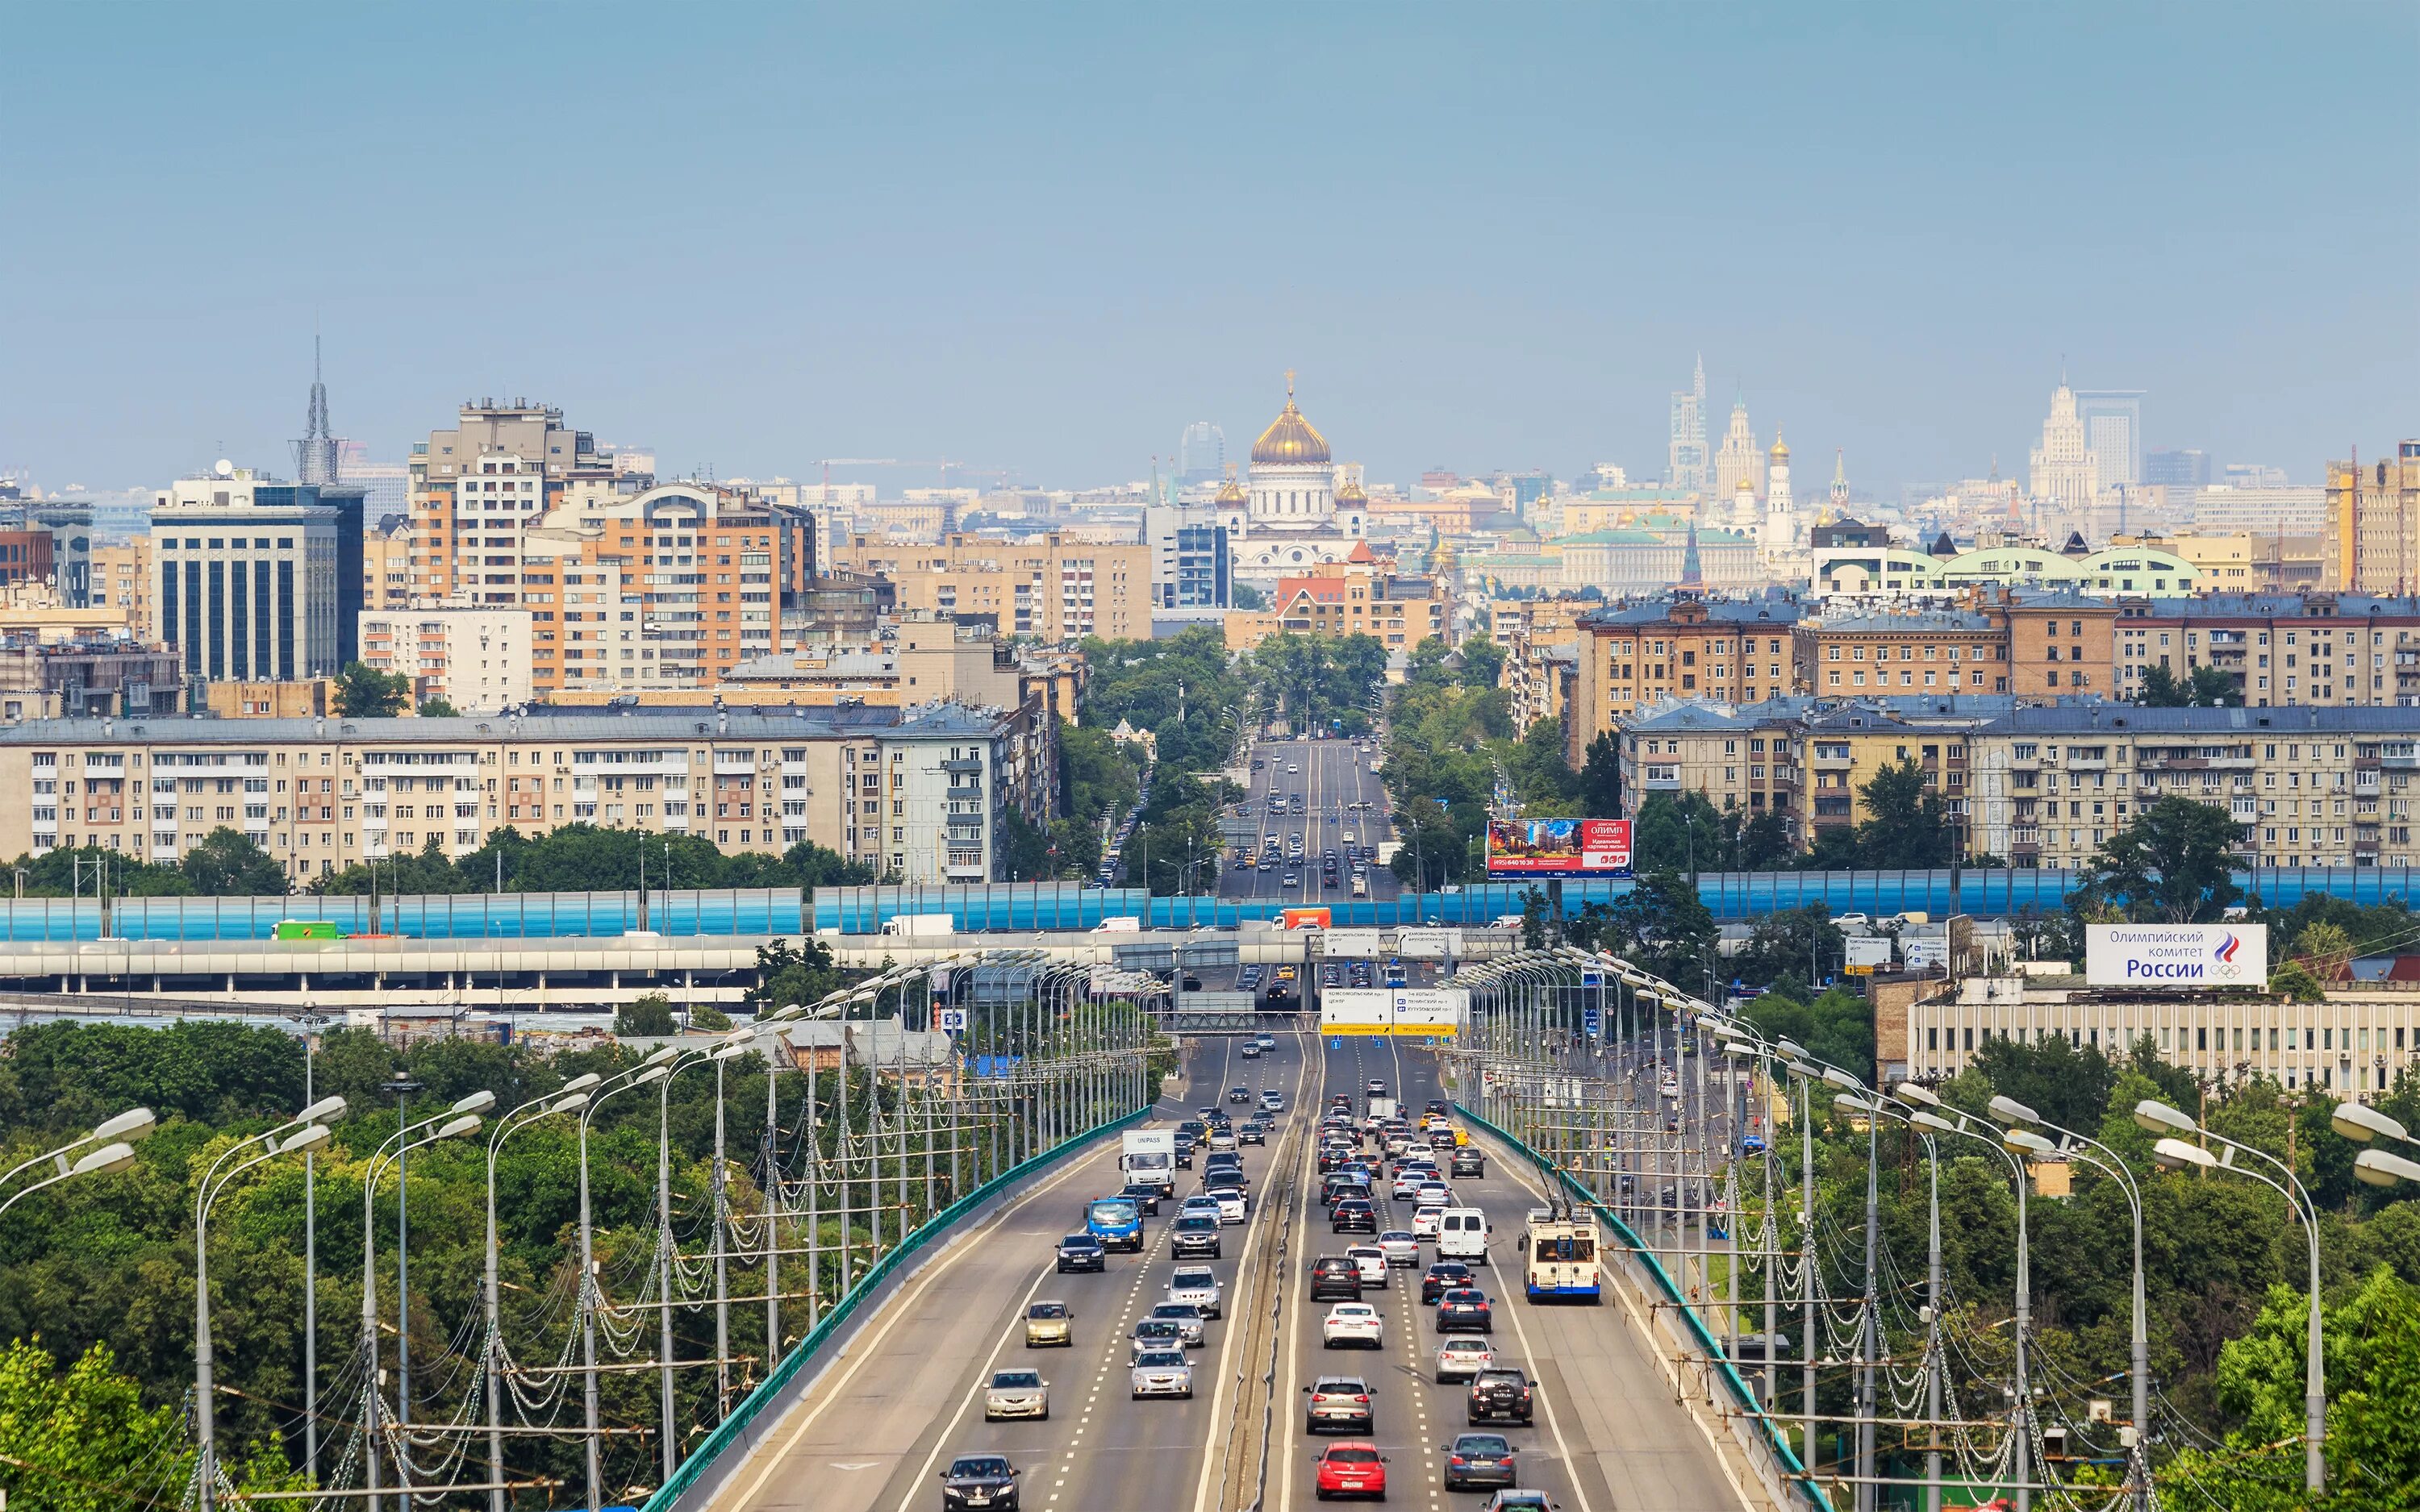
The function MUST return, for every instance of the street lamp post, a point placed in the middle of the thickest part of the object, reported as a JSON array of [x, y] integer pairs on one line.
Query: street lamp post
[[654, 1069], [401, 1088], [570, 1098], [456, 1121]]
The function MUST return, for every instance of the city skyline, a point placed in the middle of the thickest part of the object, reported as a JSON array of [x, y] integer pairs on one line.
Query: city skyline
[[995, 278]]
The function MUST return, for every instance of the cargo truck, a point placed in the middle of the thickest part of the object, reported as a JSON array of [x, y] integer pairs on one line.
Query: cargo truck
[[1150, 1155]]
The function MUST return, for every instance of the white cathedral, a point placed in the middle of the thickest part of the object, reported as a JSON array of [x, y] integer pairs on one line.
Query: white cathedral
[[1293, 514]]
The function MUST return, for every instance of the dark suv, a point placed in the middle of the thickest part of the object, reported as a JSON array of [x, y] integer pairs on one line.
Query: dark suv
[[1335, 1278], [1353, 1215], [1501, 1395], [1469, 1161], [1082, 1252], [1194, 1237]]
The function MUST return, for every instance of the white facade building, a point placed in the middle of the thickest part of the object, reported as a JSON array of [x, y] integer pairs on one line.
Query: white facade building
[[1292, 512], [2064, 469], [477, 659]]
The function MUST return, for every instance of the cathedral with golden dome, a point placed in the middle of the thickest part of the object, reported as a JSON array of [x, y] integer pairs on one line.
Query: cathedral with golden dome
[[1289, 513]]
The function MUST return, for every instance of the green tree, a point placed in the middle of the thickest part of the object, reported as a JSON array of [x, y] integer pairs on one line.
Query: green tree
[[787, 974], [1024, 849], [427, 870], [1482, 662], [708, 1019], [648, 1017], [1600, 784], [1245, 596], [2064, 1083], [2209, 687], [2323, 948], [436, 707], [364, 692], [1906, 824], [226, 864], [2293, 981], [82, 1441], [2170, 865], [61, 873]]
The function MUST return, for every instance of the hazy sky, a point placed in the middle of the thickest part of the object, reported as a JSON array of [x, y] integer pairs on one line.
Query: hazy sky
[[1044, 237]]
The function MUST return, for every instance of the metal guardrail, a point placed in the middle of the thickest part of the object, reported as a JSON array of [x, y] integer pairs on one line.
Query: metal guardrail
[[1743, 1400], [851, 1302]]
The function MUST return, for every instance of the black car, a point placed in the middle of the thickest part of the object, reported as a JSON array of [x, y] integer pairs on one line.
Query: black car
[[1500, 1396], [1335, 1278], [1082, 1252], [1254, 1132], [1353, 1215], [987, 1481], [1144, 1194], [1464, 1310], [1442, 1277], [1239, 1094], [1468, 1160], [1193, 1238], [1477, 1460], [1183, 1151]]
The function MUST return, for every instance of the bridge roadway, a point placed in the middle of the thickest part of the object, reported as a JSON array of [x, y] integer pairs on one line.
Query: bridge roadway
[[1331, 776], [874, 1432]]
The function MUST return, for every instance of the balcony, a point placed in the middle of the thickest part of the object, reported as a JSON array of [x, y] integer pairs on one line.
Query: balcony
[[963, 763]]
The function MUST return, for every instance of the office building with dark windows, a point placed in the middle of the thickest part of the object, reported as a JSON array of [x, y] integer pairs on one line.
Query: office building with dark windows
[[246, 578]]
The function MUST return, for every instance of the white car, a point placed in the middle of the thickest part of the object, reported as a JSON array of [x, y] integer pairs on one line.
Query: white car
[[1434, 1192], [1352, 1323], [1400, 1246], [1425, 1219], [1198, 1285], [1016, 1394], [1160, 1373], [1371, 1261], [1230, 1204], [1407, 1183], [1462, 1356]]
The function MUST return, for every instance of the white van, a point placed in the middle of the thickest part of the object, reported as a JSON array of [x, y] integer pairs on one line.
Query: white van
[[1462, 1235]]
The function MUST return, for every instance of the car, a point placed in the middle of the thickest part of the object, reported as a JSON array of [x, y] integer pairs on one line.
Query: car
[[1222, 1137], [1432, 1194], [1500, 1394], [1267, 1041], [1082, 1252], [1047, 1324], [1144, 1194], [1352, 1323], [1231, 1202], [1194, 1237], [1463, 1356], [1467, 1161], [1157, 1333], [1425, 1221], [1253, 1132], [1436, 1106], [1291, 880], [1375, 1087], [1249, 1051], [1198, 1285], [1016, 1394], [1464, 1310], [1199, 1204], [1520, 1502], [1188, 1319], [1400, 1246], [1239, 1094], [1407, 1184], [1372, 1262], [1353, 1215], [1337, 1402], [1160, 1373], [982, 1480], [1334, 1277], [1351, 1470], [1473, 1460]]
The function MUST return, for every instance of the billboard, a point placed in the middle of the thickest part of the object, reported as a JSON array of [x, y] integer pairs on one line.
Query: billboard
[[1424, 1012], [2175, 955], [1304, 918], [1356, 1010], [1428, 944], [1353, 943], [1430, 1011], [1866, 953], [1557, 847]]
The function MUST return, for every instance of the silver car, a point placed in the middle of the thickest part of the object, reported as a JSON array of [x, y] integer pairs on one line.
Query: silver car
[[1198, 1285], [1016, 1394], [1161, 1373], [1463, 1356], [1188, 1319]]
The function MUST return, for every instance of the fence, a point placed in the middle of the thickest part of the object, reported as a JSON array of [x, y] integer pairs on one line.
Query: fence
[[732, 1430], [1744, 1405]]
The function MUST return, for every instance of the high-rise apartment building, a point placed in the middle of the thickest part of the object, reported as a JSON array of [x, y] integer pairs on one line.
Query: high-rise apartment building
[[476, 490], [2373, 523], [2182, 468], [477, 659], [1740, 459], [2064, 471], [121, 580], [2112, 431], [1685, 465], [245, 577], [1048, 586], [1189, 560]]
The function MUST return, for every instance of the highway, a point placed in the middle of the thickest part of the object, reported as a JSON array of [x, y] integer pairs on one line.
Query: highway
[[875, 1433], [1330, 777]]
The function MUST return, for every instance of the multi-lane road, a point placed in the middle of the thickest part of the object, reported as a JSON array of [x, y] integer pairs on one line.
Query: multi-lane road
[[874, 1432], [1329, 778]]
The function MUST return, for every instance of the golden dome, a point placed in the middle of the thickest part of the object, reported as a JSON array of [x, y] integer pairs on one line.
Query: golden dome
[[1290, 441], [1231, 492], [1780, 448], [1350, 494]]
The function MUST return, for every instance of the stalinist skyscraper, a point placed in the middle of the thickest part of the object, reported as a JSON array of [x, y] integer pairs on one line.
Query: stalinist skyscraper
[[1740, 457], [2064, 471]]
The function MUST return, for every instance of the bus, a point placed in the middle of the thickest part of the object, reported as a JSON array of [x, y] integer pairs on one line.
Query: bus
[[1116, 1222], [1562, 1259]]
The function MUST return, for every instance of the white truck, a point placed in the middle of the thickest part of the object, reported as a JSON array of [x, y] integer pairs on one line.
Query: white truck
[[1383, 1109], [1120, 924], [1150, 1155], [919, 924]]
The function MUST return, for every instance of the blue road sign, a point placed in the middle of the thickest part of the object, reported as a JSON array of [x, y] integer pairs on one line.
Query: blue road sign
[[1594, 1020], [1336, 1043]]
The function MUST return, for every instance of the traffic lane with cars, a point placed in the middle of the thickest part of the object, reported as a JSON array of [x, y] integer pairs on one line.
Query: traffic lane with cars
[[1334, 775], [889, 1415], [1414, 1415], [1624, 1430]]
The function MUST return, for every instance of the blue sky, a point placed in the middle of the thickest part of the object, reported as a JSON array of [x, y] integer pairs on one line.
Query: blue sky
[[1042, 237]]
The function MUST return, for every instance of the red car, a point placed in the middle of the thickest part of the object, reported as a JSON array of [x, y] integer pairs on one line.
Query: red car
[[1355, 1469]]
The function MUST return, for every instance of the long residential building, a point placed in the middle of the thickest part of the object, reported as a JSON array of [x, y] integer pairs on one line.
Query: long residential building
[[919, 794], [1051, 587], [1729, 651]]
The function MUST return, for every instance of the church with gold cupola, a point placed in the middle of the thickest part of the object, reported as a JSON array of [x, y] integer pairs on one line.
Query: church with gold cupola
[[1289, 513]]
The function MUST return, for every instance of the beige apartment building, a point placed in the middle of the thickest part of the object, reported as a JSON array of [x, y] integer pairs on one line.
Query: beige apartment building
[[386, 567], [477, 489], [477, 659], [2373, 523], [2351, 1045], [917, 795], [1047, 587], [121, 580], [2309, 786], [1854, 653], [1727, 651]]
